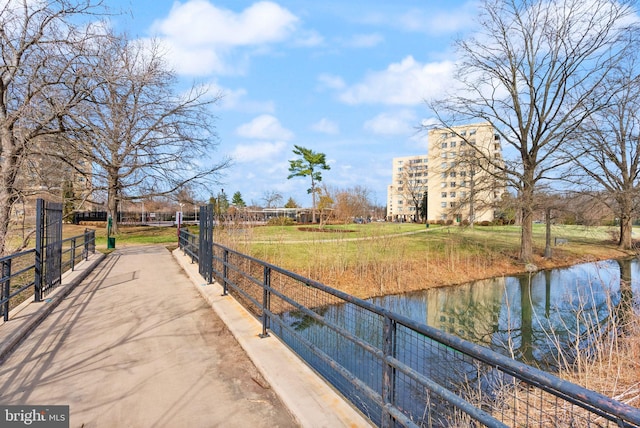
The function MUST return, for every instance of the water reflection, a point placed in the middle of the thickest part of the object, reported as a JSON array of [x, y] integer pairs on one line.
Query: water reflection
[[530, 317], [526, 317]]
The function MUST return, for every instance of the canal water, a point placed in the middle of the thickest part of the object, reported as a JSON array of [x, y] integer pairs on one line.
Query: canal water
[[526, 317], [529, 317]]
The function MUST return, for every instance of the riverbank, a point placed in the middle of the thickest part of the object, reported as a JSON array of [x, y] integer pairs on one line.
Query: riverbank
[[389, 258], [366, 263]]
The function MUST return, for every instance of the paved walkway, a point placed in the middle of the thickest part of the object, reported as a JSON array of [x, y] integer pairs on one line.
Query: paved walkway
[[133, 344]]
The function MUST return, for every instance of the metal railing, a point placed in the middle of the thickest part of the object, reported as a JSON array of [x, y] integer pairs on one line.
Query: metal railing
[[400, 372], [22, 274]]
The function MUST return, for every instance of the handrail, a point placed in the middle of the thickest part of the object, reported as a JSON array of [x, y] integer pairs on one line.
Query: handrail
[[18, 271], [399, 352]]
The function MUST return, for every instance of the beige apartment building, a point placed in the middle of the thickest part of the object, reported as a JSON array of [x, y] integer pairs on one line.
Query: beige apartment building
[[455, 174], [406, 193]]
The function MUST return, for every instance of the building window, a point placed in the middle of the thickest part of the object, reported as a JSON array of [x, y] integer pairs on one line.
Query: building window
[[443, 204], [452, 194], [452, 204], [443, 175], [472, 132], [443, 165], [444, 184], [453, 144], [452, 174], [443, 145], [452, 184], [443, 194], [444, 155]]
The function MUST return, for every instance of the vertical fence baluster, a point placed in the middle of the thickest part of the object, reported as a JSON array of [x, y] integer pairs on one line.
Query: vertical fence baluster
[[389, 372], [225, 271], [37, 294], [85, 250], [73, 253], [6, 287], [266, 301]]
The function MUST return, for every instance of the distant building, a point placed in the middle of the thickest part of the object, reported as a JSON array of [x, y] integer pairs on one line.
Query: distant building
[[454, 176], [51, 178], [409, 184]]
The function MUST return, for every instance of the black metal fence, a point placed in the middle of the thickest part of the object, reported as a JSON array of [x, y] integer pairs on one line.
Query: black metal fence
[[397, 371], [39, 270]]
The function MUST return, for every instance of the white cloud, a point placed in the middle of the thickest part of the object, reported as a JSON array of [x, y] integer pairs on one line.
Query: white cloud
[[264, 127], [201, 36], [326, 126], [237, 100], [258, 152], [402, 123], [365, 40], [405, 83], [432, 21], [309, 39], [330, 81], [198, 22]]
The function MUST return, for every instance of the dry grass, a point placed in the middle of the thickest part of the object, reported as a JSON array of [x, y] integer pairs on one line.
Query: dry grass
[[367, 263]]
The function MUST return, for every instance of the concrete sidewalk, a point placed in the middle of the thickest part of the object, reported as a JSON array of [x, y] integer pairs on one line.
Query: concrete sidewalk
[[135, 345]]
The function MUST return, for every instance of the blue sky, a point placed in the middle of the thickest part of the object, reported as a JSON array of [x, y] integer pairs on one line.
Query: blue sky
[[345, 78]]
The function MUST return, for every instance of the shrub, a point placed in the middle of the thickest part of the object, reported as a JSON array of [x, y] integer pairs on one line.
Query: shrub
[[280, 221]]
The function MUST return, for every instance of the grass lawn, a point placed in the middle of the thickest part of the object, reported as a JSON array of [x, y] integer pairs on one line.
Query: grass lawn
[[382, 258]]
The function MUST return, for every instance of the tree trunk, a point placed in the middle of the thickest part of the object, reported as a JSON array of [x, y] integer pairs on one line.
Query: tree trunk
[[626, 221], [8, 174], [5, 218], [526, 238], [313, 200], [626, 225], [112, 209]]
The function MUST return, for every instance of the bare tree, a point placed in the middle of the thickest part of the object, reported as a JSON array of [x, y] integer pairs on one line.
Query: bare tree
[[532, 72], [472, 192], [413, 184], [142, 138], [607, 150], [42, 56], [351, 203], [272, 198]]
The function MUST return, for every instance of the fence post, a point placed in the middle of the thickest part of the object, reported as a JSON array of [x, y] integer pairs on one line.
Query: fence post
[[389, 372], [225, 271], [40, 219], [85, 250], [266, 301], [73, 253], [6, 287]]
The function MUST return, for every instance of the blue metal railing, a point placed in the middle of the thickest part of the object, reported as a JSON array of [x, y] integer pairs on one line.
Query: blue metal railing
[[397, 371], [21, 271]]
